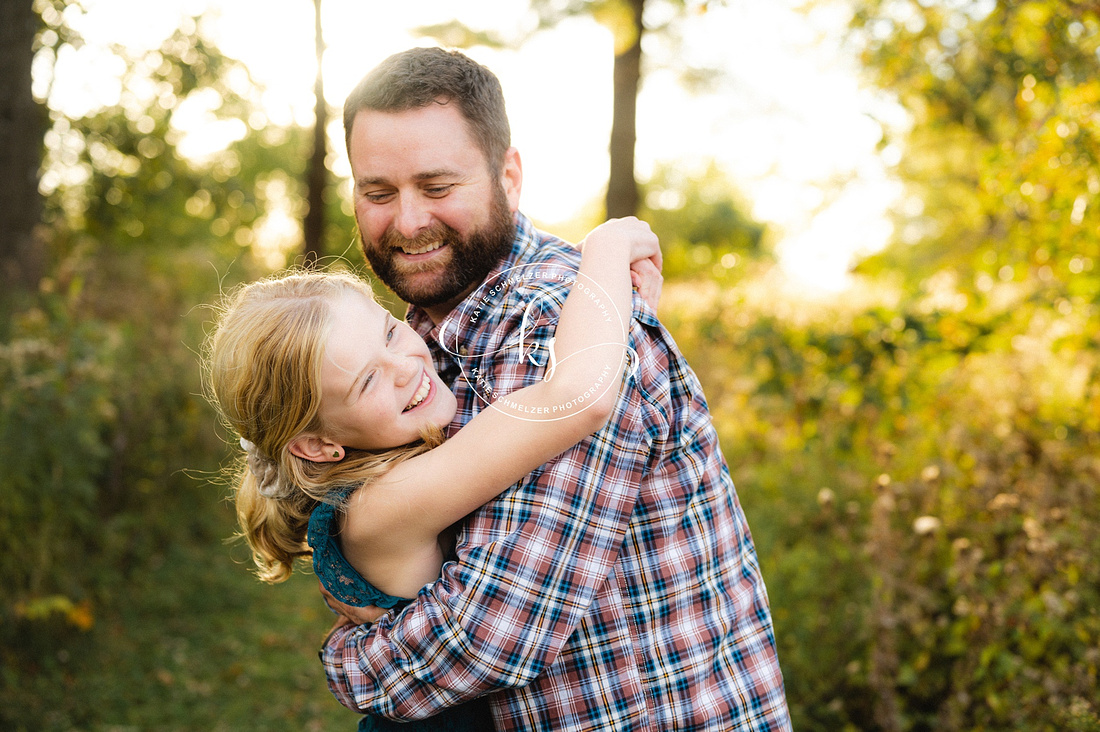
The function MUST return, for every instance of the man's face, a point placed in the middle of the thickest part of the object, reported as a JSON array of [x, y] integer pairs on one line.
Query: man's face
[[433, 217]]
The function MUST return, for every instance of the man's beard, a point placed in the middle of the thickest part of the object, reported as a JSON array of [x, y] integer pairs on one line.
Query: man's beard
[[472, 257]]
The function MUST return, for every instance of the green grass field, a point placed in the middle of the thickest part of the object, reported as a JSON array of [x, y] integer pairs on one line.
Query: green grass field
[[194, 643]]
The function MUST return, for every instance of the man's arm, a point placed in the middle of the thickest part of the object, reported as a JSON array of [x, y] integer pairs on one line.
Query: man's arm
[[502, 613]]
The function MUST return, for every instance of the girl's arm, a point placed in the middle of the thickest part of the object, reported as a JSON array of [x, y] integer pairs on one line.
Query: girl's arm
[[397, 521]]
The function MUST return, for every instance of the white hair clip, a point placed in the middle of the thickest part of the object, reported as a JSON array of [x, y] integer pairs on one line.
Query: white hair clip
[[267, 473]]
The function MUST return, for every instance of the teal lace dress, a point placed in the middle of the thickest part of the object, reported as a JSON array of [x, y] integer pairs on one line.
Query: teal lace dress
[[347, 585]]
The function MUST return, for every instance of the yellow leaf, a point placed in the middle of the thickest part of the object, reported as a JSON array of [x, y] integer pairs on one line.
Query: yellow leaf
[[81, 615]]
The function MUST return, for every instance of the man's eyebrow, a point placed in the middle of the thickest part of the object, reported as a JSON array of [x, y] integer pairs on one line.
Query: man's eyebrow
[[377, 180], [438, 173], [369, 181]]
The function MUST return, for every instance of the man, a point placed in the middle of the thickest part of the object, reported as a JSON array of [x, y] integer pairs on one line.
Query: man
[[616, 588]]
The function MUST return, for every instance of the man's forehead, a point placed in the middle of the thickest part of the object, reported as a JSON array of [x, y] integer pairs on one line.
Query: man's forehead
[[419, 144], [439, 116]]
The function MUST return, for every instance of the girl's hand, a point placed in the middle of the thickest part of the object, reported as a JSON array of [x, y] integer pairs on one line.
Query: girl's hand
[[645, 254], [643, 242]]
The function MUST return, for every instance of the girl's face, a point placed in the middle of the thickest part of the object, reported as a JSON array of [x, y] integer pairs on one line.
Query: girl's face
[[379, 387]]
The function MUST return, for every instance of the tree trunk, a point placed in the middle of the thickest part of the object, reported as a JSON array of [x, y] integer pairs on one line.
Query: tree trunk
[[622, 188], [22, 126], [313, 227]]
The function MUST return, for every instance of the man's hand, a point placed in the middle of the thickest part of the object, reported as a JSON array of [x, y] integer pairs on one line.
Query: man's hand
[[348, 614]]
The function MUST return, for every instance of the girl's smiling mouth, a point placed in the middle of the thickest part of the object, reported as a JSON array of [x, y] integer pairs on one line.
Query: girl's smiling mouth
[[421, 393]]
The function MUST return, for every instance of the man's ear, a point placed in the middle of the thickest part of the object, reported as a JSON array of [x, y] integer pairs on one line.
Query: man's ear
[[512, 178], [315, 449]]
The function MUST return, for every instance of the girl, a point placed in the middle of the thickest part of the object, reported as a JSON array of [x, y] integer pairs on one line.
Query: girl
[[340, 412]]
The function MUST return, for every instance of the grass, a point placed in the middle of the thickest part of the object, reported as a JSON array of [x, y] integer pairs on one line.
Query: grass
[[193, 642]]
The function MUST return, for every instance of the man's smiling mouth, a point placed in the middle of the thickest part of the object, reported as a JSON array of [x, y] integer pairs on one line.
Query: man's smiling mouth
[[424, 249], [421, 393]]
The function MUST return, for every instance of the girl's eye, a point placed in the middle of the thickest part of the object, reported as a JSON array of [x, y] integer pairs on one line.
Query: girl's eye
[[391, 332]]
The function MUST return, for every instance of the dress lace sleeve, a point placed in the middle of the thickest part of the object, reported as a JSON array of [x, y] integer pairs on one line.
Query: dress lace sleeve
[[335, 572]]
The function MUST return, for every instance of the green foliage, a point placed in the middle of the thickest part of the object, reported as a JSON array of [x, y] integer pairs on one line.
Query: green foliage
[[701, 223], [1002, 153], [935, 457], [54, 411], [97, 418], [118, 178], [922, 483], [133, 183]]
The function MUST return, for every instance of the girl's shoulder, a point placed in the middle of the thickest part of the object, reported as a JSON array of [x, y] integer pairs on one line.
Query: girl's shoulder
[[333, 569]]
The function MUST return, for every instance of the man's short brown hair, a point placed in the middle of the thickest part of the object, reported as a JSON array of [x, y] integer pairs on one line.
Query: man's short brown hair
[[421, 76]]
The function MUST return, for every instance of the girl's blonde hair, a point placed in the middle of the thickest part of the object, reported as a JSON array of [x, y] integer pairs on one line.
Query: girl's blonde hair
[[263, 374]]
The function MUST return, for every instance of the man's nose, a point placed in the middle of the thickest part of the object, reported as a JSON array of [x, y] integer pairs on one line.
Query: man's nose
[[412, 217]]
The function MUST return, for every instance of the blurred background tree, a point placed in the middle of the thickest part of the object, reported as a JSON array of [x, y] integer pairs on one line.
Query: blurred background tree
[[628, 22], [20, 150], [998, 239], [317, 181], [703, 226], [1001, 156]]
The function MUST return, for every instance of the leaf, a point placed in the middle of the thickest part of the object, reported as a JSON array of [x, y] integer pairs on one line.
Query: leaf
[[457, 34]]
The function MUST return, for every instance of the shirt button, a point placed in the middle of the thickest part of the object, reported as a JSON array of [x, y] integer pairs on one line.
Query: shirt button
[[462, 351]]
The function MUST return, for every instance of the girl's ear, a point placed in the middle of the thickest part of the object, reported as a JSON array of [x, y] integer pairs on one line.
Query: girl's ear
[[315, 449]]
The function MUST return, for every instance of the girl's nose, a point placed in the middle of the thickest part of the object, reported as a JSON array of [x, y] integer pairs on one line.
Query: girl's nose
[[404, 370]]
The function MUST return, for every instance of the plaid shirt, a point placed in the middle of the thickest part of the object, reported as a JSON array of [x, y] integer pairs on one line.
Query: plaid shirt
[[615, 588]]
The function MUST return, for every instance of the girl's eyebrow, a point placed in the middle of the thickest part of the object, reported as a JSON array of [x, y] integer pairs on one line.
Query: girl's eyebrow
[[370, 362]]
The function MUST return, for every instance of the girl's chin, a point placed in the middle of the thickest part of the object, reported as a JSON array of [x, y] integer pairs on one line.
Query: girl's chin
[[449, 407]]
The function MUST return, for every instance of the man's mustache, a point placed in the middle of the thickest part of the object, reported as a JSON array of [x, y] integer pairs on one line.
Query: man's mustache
[[393, 239]]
